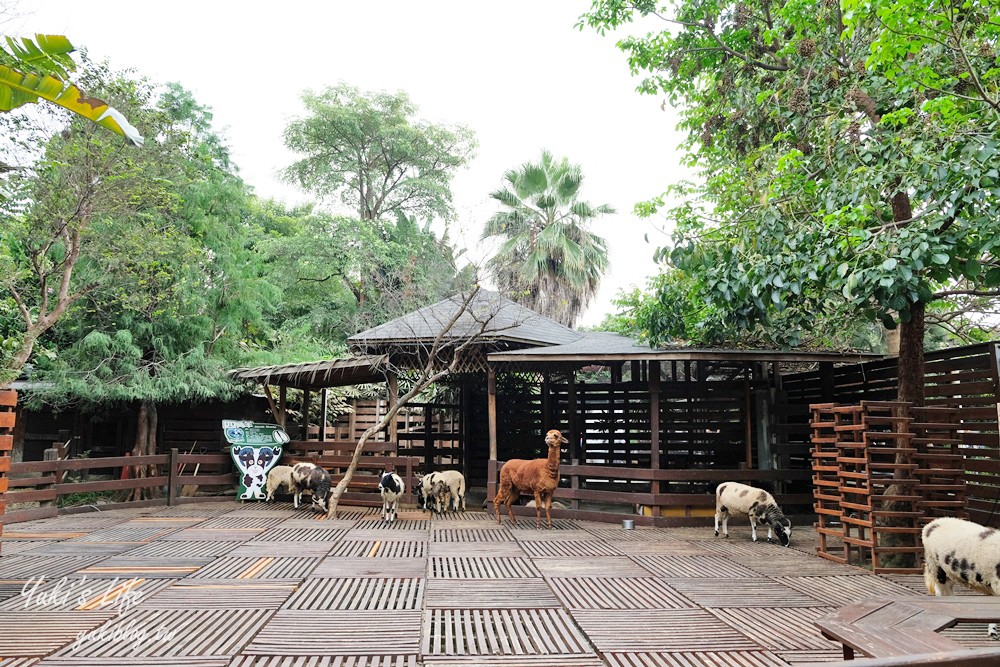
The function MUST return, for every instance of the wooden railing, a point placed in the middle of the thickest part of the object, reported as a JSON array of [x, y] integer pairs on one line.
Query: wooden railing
[[664, 508], [335, 457]]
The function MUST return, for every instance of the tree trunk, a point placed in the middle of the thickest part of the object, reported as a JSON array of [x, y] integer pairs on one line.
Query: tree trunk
[[911, 357], [145, 443]]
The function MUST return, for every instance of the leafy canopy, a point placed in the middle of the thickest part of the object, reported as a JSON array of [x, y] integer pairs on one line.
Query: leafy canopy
[[847, 156]]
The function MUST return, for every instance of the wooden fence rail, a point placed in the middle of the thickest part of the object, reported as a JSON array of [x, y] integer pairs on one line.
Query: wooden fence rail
[[664, 508]]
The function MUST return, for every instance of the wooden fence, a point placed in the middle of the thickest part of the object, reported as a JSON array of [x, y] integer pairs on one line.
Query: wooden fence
[[8, 404], [963, 378], [335, 457], [176, 477], [590, 483]]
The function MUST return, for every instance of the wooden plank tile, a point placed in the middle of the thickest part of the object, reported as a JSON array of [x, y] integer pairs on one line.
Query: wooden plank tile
[[568, 548], [618, 593], [371, 567], [343, 632], [380, 549], [259, 548], [262, 567], [808, 657], [26, 566], [844, 590], [147, 661], [692, 566], [72, 593], [214, 535], [37, 633], [533, 534], [410, 660], [695, 659], [170, 632], [731, 592], [481, 568], [476, 632], [478, 535], [220, 594], [179, 549], [361, 594], [779, 628], [598, 566], [243, 521], [660, 548], [526, 593], [554, 660], [486, 549], [633, 631]]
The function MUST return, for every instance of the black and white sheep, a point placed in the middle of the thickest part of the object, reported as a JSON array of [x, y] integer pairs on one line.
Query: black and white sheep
[[309, 476], [425, 491], [960, 551], [759, 505], [279, 478], [390, 487]]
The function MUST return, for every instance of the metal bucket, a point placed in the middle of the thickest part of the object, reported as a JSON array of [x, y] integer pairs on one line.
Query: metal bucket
[[628, 524]]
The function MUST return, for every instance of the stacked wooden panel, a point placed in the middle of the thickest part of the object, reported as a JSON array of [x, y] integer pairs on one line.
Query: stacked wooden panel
[[937, 440], [826, 484], [879, 487], [8, 404]]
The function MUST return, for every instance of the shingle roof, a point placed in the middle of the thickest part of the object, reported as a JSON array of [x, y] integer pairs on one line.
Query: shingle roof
[[318, 374], [498, 318], [605, 346]]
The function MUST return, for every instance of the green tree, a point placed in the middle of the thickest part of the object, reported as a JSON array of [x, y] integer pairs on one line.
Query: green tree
[[39, 68], [83, 176], [839, 175], [164, 300], [368, 149], [548, 259]]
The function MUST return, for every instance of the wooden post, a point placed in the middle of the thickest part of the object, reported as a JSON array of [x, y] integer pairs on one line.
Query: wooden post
[[747, 416], [491, 388], [547, 422], [172, 476], [654, 429], [8, 407], [282, 405], [392, 387], [306, 405], [324, 413], [51, 454]]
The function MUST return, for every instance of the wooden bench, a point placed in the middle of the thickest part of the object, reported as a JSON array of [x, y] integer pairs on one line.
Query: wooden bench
[[904, 627]]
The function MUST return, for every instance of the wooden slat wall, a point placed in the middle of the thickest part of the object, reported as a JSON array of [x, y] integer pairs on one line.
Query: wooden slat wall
[[963, 377], [8, 406]]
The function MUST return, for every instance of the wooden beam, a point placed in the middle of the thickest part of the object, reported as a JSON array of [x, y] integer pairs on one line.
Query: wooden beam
[[306, 405], [282, 406], [654, 426], [392, 388], [491, 388], [270, 402], [324, 413]]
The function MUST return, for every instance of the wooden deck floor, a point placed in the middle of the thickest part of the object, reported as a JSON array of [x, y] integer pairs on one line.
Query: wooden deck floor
[[226, 585]]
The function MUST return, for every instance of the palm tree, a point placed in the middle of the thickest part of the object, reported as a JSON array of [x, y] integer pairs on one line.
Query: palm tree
[[548, 261]]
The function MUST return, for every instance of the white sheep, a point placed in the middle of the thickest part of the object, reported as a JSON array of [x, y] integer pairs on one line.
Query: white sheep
[[956, 550], [279, 478], [390, 487], [759, 505], [309, 476], [449, 486]]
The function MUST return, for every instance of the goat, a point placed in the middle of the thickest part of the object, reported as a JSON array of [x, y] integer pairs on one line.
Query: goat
[[309, 476], [390, 487], [278, 478], [539, 476], [759, 505]]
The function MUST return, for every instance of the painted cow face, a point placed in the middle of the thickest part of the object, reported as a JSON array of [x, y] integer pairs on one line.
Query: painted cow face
[[245, 458]]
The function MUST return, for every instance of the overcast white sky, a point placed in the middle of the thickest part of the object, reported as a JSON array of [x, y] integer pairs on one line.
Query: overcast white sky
[[516, 72]]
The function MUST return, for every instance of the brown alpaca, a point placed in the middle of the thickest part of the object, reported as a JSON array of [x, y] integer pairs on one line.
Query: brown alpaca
[[540, 476]]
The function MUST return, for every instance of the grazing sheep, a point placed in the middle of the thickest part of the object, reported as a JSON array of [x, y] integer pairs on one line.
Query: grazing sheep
[[449, 486], [759, 505], [425, 490], [309, 476], [390, 487], [956, 550], [279, 478], [540, 476]]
